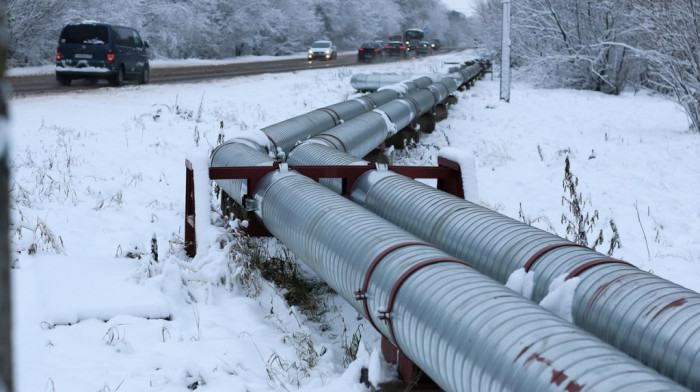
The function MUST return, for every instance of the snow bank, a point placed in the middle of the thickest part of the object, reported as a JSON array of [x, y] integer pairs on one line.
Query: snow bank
[[379, 370], [78, 289]]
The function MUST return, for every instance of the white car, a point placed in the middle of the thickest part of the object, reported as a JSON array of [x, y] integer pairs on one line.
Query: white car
[[323, 50]]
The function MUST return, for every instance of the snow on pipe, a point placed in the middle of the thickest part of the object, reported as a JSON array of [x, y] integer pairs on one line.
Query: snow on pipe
[[262, 148], [466, 331], [651, 319]]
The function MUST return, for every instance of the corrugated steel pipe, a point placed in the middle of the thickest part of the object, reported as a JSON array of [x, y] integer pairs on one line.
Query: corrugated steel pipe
[[284, 135], [649, 318], [499, 245], [359, 136], [375, 81], [240, 152], [254, 149], [467, 332]]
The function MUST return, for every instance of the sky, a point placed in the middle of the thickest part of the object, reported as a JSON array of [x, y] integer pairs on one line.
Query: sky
[[464, 6], [99, 174]]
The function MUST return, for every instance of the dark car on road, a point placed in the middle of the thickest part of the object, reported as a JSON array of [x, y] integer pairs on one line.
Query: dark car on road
[[396, 49], [370, 51], [423, 48], [101, 51], [435, 44]]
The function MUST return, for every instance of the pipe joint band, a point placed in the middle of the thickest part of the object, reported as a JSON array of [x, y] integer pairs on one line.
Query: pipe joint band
[[336, 117], [585, 266], [386, 314], [360, 295], [545, 250], [330, 138]]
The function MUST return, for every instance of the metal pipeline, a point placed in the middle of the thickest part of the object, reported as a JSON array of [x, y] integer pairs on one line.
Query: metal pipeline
[[660, 324], [359, 136], [464, 330], [263, 149], [373, 82], [649, 318], [549, 351]]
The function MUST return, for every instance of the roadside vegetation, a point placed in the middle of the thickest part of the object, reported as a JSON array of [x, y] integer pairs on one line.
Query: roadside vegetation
[[604, 45], [214, 29]]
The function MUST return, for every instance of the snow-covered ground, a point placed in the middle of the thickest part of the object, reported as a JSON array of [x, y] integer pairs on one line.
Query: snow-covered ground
[[99, 174]]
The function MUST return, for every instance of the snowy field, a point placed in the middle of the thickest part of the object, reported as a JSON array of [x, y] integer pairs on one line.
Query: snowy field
[[99, 174]]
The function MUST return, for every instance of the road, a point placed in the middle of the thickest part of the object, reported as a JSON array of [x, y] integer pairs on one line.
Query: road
[[46, 83]]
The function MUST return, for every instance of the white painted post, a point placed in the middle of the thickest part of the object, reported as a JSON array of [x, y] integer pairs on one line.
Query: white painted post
[[505, 53]]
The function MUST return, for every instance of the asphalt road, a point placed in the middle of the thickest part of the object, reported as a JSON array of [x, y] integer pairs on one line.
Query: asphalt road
[[47, 84]]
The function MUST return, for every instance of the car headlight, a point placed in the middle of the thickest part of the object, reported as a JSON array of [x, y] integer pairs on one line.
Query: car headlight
[[328, 51], [311, 51]]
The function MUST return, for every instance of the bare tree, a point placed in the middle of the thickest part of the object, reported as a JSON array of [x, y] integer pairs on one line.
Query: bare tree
[[585, 44], [672, 47]]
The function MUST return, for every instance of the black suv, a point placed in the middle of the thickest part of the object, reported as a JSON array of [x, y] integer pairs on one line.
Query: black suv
[[101, 51]]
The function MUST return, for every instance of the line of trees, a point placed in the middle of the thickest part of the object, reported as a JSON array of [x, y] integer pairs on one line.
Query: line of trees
[[604, 45], [227, 28]]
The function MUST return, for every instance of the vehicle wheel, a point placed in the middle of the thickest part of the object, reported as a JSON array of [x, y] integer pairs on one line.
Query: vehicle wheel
[[145, 74], [63, 80], [118, 79]]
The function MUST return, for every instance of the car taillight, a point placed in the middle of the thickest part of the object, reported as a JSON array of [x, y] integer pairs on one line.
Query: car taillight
[[59, 54], [110, 55], [388, 47], [376, 50], [362, 50], [402, 47]]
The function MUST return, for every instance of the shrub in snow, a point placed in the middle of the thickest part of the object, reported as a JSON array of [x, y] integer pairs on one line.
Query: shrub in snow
[[578, 221]]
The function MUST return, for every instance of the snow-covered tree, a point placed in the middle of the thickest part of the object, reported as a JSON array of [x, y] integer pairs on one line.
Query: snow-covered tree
[[226, 28]]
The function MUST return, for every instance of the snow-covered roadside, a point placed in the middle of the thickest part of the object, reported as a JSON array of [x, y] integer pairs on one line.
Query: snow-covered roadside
[[102, 173]]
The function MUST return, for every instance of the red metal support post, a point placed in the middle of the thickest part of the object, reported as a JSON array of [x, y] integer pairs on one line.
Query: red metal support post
[[190, 232]]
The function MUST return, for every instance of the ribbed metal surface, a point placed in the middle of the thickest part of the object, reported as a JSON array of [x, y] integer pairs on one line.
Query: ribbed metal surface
[[373, 82], [238, 153], [401, 112], [425, 99], [452, 82], [287, 133], [651, 319], [467, 332], [363, 133], [470, 72], [419, 82], [439, 90], [310, 153]]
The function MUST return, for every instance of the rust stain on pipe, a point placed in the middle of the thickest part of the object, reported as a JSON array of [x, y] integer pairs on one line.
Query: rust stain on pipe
[[674, 304]]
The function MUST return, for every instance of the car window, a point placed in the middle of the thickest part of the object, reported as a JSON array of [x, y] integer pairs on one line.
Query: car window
[[136, 39], [84, 34], [123, 36], [321, 45]]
